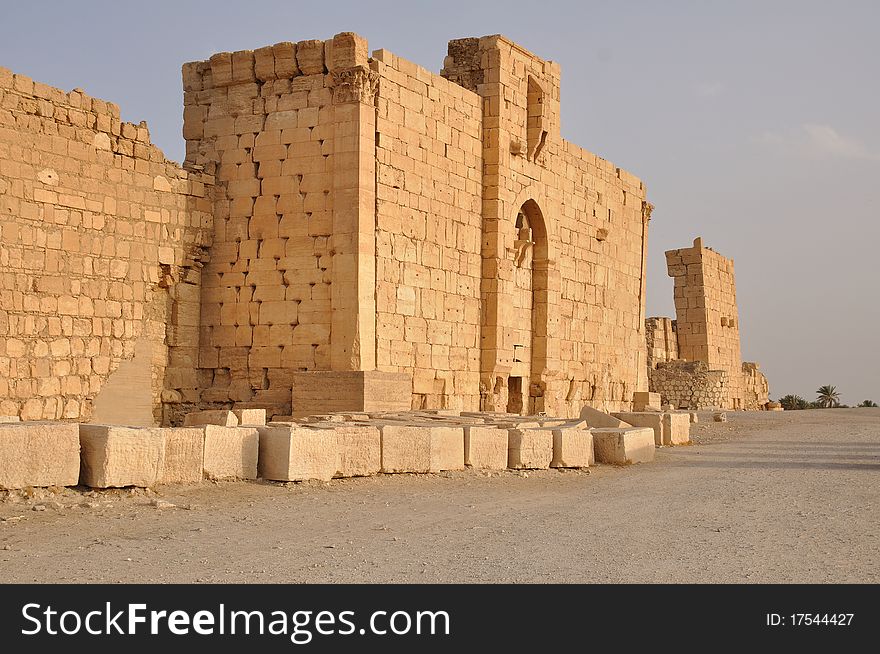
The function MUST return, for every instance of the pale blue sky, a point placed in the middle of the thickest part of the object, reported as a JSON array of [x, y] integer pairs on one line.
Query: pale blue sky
[[753, 124]]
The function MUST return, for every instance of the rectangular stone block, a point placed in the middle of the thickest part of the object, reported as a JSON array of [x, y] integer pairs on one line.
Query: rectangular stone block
[[529, 448], [298, 453], [220, 418], [322, 392], [250, 417], [360, 450], [485, 447], [38, 454], [623, 446], [572, 448], [8, 419], [421, 448], [231, 452], [676, 428], [646, 401], [596, 418], [184, 455], [113, 457], [645, 419]]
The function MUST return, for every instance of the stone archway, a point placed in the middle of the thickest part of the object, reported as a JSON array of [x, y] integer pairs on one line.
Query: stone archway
[[526, 333]]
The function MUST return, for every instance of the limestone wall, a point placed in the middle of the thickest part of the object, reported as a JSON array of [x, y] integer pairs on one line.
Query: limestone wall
[[573, 222], [756, 389], [707, 322], [428, 232], [289, 130], [101, 241], [661, 340]]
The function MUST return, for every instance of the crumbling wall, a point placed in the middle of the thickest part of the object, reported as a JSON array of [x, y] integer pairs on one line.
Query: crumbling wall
[[585, 243], [756, 389], [428, 232], [707, 322], [98, 230], [661, 340], [689, 384], [290, 282]]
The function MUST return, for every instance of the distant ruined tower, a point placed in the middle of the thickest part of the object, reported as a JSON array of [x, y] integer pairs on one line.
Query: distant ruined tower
[[696, 362]]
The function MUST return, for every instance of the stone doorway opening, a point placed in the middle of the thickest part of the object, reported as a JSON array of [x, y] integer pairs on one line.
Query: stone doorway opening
[[515, 401]]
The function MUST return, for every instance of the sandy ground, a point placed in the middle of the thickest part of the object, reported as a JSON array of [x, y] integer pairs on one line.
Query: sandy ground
[[765, 497]]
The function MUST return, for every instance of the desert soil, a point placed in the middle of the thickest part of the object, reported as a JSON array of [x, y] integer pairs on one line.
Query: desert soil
[[764, 497]]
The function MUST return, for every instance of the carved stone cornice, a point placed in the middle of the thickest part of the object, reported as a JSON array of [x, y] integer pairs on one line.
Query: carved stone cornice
[[358, 84]]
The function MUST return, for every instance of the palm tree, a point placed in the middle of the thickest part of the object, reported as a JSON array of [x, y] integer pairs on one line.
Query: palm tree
[[793, 402], [827, 397]]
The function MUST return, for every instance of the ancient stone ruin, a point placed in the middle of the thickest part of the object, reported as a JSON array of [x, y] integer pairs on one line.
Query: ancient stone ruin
[[361, 267], [348, 232], [694, 362]]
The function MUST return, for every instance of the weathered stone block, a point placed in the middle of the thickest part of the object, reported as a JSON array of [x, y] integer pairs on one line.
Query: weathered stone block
[[421, 448], [596, 418], [219, 418], [645, 419], [250, 417], [529, 448], [324, 392], [676, 428], [623, 446], [39, 454], [8, 419], [298, 453], [360, 450], [184, 455], [485, 447], [231, 452], [572, 448], [643, 401], [120, 456]]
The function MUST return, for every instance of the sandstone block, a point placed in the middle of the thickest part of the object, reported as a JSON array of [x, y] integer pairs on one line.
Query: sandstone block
[[220, 418], [231, 452], [323, 392], [8, 419], [485, 447], [646, 401], [676, 428], [623, 446], [184, 454], [38, 454], [421, 448], [596, 418], [120, 456], [298, 453], [645, 419], [572, 448], [250, 417], [360, 450], [310, 57], [529, 448]]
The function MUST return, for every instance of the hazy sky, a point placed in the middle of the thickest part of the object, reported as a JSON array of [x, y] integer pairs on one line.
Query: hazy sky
[[753, 124]]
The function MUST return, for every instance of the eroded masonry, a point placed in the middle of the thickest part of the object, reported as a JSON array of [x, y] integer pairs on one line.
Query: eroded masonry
[[694, 362], [349, 232]]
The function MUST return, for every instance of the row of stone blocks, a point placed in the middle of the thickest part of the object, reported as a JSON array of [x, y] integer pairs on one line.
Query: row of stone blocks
[[220, 444]]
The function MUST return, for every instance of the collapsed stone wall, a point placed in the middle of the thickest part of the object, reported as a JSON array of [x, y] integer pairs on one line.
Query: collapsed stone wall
[[707, 322], [756, 388], [661, 340], [689, 384], [101, 242]]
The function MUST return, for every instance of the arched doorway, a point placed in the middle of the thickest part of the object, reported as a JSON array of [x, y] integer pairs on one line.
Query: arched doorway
[[527, 328]]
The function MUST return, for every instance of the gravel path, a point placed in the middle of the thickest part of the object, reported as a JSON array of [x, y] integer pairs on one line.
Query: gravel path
[[765, 497]]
